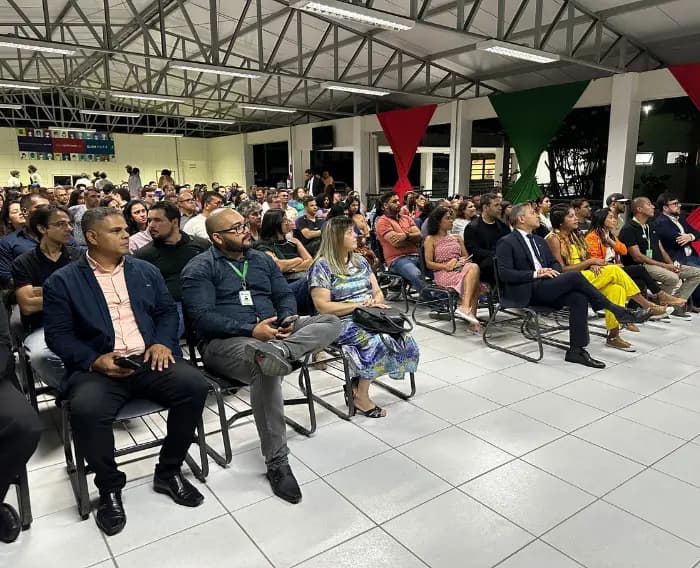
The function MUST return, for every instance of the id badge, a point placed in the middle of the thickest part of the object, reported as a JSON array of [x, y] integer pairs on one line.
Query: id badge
[[245, 297], [650, 253]]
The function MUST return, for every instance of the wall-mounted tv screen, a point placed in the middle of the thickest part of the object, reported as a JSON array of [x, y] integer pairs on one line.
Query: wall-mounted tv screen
[[322, 138]]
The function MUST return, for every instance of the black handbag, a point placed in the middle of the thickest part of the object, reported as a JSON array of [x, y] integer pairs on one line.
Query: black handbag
[[382, 320]]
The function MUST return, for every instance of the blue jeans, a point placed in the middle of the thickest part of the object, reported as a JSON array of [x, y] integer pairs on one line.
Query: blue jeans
[[408, 267], [46, 365]]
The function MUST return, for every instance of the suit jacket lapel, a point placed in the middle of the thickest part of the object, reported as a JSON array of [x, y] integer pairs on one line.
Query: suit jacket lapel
[[97, 294], [525, 249]]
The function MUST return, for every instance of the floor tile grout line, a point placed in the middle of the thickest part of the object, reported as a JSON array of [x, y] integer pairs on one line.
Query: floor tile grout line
[[344, 541]]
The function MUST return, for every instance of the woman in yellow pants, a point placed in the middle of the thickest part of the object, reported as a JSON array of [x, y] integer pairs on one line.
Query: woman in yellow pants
[[571, 252]]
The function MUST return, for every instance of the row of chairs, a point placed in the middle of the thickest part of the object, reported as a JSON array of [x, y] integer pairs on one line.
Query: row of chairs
[[228, 417]]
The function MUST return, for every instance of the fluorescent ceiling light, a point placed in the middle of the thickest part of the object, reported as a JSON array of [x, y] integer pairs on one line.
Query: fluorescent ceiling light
[[110, 113], [148, 97], [162, 135], [11, 107], [269, 108], [19, 85], [355, 13], [517, 51], [205, 68], [209, 120], [36, 45], [360, 89], [87, 130]]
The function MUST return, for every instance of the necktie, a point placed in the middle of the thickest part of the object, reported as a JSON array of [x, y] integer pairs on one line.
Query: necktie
[[533, 244]]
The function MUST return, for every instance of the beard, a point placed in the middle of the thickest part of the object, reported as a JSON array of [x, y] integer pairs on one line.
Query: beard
[[231, 246]]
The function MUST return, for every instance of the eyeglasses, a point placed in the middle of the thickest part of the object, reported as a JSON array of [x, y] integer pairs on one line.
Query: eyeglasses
[[237, 229], [186, 200], [673, 203], [61, 224]]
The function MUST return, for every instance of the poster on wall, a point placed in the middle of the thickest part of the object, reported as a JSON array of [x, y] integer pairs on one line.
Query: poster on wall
[[64, 145]]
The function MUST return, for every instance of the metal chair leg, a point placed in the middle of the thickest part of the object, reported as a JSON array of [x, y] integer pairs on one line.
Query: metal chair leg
[[23, 500]]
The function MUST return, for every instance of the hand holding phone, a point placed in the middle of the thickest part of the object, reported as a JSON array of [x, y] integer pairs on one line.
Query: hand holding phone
[[286, 322], [127, 363]]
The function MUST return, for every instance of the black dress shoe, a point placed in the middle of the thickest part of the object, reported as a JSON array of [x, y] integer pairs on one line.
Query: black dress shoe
[[582, 357], [284, 484], [639, 315], [110, 516], [180, 490], [10, 524]]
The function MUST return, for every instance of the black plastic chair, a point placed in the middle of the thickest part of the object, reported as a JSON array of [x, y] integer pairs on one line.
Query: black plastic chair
[[528, 320], [23, 501], [437, 298], [221, 387]]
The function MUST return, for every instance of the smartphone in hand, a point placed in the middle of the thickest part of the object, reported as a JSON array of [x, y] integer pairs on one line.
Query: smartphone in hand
[[127, 363], [285, 322]]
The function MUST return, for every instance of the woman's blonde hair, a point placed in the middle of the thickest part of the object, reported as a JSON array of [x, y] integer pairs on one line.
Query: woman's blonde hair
[[332, 249]]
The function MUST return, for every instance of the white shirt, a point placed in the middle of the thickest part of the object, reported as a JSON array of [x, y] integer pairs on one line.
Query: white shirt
[[533, 256], [83, 181], [14, 182], [545, 221], [196, 227]]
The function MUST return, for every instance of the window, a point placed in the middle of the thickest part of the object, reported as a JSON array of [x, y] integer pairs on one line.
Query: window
[[677, 158], [483, 166], [644, 158]]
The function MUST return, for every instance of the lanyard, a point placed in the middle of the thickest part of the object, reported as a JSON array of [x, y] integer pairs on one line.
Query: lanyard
[[240, 274], [646, 232]]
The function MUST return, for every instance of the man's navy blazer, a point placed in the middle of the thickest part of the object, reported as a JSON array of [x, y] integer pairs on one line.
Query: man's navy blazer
[[77, 324], [516, 268], [668, 231]]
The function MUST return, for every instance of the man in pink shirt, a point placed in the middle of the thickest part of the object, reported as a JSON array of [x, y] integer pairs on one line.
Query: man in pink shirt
[[399, 238], [99, 310]]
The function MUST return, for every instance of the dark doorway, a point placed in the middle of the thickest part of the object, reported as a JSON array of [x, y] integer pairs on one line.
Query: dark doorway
[[271, 163], [337, 164]]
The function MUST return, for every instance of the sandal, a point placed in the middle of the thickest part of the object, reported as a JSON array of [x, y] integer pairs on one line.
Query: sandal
[[375, 412]]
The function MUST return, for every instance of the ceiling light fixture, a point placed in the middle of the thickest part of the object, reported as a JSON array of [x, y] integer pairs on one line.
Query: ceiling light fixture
[[147, 97], [19, 85], [360, 89], [110, 113], [355, 13], [269, 108], [217, 70], [517, 51], [11, 107], [209, 120], [36, 45], [86, 130], [162, 135]]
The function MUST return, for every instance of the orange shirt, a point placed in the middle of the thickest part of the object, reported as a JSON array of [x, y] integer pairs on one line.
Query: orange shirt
[[596, 249], [386, 225], [127, 337]]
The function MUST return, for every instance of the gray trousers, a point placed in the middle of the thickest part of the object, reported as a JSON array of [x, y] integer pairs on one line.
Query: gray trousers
[[226, 358], [689, 277]]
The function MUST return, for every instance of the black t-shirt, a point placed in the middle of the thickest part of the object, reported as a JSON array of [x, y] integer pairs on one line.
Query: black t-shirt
[[171, 259], [32, 268], [644, 237], [480, 238], [304, 222], [283, 250]]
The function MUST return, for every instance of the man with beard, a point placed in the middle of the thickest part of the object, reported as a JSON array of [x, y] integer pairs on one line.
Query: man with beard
[[171, 249], [245, 315]]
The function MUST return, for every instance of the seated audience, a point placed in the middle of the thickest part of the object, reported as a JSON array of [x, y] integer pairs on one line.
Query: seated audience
[[308, 226], [196, 226], [19, 241], [341, 281], [644, 247], [148, 195], [617, 203], [289, 255], [288, 209], [131, 314], [583, 211], [676, 236], [570, 251], [110, 202], [603, 244], [12, 216], [482, 234], [464, 214], [399, 238], [243, 311], [136, 215], [324, 205], [20, 429], [506, 207], [77, 197], [530, 275], [170, 249], [187, 206], [92, 200], [543, 207], [272, 201], [29, 272], [60, 196], [446, 256]]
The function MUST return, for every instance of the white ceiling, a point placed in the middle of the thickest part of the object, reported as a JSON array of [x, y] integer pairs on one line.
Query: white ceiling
[[597, 38]]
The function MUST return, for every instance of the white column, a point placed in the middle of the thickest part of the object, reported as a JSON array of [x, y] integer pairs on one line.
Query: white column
[[426, 170], [460, 150], [363, 164], [623, 134]]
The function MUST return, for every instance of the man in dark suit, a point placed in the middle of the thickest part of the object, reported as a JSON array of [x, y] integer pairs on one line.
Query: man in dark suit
[[99, 310], [313, 184], [531, 276]]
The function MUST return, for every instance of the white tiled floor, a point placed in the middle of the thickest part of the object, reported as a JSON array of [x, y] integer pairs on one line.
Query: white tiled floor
[[495, 462]]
